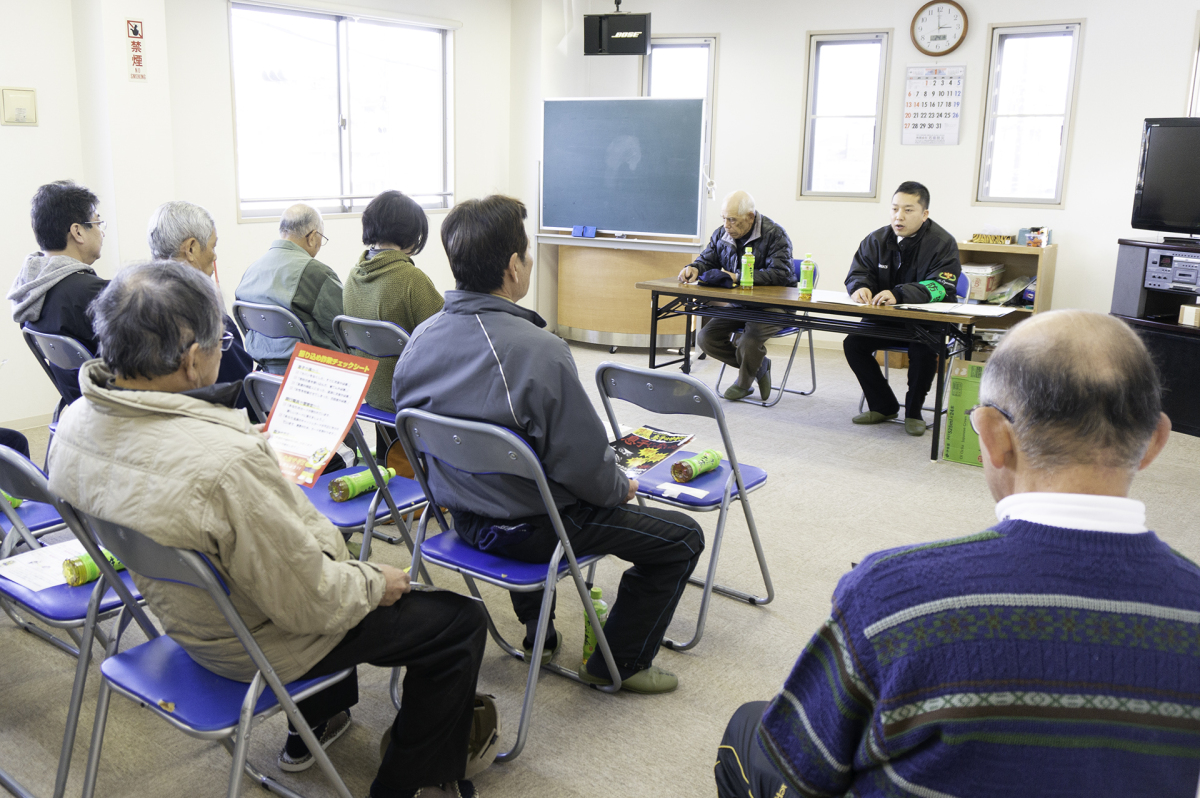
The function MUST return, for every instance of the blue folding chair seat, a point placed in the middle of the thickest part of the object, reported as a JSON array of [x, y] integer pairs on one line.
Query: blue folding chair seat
[[208, 704], [732, 481], [450, 551], [712, 482], [349, 515], [36, 516], [377, 416], [62, 604]]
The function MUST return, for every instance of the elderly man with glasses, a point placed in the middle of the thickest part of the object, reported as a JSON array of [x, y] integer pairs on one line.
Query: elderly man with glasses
[[57, 283], [1054, 653], [183, 232], [290, 276], [155, 444]]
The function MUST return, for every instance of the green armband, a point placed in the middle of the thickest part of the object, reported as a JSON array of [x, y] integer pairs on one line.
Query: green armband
[[936, 291]]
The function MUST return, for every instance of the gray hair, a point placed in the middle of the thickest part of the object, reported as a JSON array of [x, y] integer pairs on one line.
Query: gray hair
[[150, 313], [1081, 387], [172, 223], [300, 220], [743, 202]]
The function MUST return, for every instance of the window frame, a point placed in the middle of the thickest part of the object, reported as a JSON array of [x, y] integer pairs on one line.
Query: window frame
[[709, 41], [815, 38], [1193, 105], [342, 204], [987, 117]]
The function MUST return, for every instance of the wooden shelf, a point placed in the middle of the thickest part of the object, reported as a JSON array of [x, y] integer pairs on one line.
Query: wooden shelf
[[1018, 262]]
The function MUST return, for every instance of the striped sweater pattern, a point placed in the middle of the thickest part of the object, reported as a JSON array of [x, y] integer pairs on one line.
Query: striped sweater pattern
[[1025, 660]]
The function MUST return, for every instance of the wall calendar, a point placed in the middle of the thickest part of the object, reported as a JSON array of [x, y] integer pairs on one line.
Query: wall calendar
[[932, 105]]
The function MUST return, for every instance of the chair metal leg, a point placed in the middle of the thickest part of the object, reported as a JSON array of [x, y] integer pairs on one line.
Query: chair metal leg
[[394, 688], [81, 668], [539, 642], [242, 736], [777, 391], [37, 631], [11, 784]]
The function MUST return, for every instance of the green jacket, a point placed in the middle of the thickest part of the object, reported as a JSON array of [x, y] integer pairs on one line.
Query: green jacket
[[289, 277], [389, 287]]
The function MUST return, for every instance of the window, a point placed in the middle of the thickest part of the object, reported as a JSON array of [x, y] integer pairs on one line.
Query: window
[[332, 110], [1028, 115], [847, 75], [1194, 97], [683, 68]]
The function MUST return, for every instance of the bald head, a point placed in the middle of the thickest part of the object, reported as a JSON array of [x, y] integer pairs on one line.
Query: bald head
[[1081, 389], [302, 224]]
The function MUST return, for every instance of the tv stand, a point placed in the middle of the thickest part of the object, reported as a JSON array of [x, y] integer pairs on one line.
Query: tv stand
[[1172, 241]]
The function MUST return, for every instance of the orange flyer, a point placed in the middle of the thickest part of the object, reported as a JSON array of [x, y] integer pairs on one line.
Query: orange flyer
[[320, 396]]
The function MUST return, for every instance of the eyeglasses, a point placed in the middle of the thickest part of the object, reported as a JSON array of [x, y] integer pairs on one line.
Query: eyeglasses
[[103, 224], [226, 342], [971, 414], [324, 238]]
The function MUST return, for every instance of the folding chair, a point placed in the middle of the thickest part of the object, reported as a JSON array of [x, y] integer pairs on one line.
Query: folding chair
[[61, 351], [378, 339], [76, 610], [364, 510], [671, 394], [160, 676], [786, 331], [272, 321], [478, 448]]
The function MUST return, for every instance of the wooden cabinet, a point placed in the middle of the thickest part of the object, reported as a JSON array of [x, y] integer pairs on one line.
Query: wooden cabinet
[[1018, 262]]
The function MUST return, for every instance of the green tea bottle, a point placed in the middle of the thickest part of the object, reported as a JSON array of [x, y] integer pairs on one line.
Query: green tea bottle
[[83, 569], [747, 281], [343, 489], [589, 634]]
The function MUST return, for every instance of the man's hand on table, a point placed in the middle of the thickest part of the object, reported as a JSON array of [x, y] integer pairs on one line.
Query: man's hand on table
[[689, 274], [862, 296], [633, 489], [884, 298], [397, 584]]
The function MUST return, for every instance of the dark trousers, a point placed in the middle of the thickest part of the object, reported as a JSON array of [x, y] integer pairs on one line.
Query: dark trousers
[[14, 440], [742, 768], [747, 354], [439, 638], [922, 368], [663, 546]]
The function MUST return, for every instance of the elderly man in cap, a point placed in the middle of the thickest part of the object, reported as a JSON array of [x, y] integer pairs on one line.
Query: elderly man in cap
[[1051, 654]]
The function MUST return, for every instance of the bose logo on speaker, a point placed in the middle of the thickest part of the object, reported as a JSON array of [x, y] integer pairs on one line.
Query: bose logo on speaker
[[627, 34]]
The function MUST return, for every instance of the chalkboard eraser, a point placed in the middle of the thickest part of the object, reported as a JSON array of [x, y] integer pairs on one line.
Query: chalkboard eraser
[[577, 231], [589, 232]]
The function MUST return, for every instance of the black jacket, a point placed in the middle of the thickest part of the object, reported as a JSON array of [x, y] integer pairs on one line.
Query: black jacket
[[772, 255], [922, 268], [64, 312]]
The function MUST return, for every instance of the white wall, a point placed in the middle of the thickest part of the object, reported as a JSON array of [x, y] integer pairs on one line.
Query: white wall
[[761, 78], [138, 145]]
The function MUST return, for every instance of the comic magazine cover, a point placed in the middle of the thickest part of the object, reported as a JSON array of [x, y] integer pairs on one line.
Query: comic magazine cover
[[638, 451]]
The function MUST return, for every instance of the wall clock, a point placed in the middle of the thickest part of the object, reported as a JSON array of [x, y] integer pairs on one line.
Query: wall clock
[[939, 27]]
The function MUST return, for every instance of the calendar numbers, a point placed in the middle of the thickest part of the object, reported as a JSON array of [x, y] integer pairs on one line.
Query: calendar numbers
[[932, 105]]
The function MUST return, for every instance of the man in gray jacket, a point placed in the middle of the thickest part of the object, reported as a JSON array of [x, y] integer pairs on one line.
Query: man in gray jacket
[[486, 358]]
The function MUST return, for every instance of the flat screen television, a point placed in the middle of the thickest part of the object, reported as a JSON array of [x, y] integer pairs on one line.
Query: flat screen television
[[1167, 195]]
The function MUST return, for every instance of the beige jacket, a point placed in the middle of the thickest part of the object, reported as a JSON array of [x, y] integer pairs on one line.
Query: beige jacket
[[196, 475]]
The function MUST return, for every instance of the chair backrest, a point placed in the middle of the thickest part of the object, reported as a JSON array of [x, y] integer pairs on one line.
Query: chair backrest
[[272, 321], [60, 350], [375, 338], [796, 264], [964, 285], [663, 393], [471, 446], [261, 389]]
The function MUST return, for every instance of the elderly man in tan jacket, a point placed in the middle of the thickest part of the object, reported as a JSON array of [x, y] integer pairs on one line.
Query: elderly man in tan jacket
[[157, 446]]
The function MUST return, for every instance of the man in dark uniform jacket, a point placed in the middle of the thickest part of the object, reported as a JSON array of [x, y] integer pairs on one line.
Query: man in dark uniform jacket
[[56, 284], [720, 265], [911, 260]]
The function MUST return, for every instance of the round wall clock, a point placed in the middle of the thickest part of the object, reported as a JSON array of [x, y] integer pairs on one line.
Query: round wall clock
[[939, 27]]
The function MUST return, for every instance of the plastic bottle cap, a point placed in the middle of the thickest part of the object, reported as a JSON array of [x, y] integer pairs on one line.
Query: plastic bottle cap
[[596, 593], [808, 256]]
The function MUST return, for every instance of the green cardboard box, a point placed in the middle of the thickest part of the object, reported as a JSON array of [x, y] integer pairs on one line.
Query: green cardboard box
[[962, 444]]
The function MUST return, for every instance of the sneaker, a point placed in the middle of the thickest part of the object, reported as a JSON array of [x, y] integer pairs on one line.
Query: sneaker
[[548, 651], [764, 379], [295, 755], [914, 426], [735, 392], [871, 417], [651, 681], [460, 789]]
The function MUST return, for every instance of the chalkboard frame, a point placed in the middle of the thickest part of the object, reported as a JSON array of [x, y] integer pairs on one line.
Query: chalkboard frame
[[700, 175]]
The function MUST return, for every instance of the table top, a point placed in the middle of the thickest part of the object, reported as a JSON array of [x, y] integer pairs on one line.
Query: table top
[[783, 296]]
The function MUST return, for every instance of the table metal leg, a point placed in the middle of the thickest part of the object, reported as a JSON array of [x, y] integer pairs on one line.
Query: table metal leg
[[687, 344], [653, 327], [938, 402]]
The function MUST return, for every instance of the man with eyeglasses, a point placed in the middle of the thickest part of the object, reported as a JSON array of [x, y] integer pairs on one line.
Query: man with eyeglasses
[[57, 283], [1054, 653], [720, 265], [290, 276]]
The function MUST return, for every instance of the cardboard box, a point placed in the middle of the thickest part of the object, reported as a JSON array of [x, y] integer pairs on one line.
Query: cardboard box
[[962, 444], [984, 277], [895, 360], [1189, 315]]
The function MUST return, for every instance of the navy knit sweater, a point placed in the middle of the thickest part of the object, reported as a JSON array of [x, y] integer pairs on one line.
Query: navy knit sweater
[[1025, 660]]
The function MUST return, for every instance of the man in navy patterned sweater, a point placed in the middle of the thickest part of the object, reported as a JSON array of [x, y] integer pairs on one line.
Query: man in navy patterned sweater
[[1057, 653]]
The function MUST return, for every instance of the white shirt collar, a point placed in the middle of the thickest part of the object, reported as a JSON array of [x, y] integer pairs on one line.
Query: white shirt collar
[[1075, 511]]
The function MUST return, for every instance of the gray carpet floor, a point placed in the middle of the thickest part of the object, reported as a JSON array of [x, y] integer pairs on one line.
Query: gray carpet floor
[[836, 492]]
